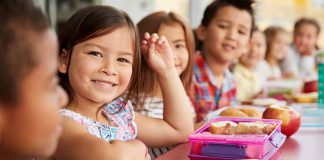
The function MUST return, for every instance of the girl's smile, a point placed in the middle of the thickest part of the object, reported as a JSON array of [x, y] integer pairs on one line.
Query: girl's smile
[[103, 85]]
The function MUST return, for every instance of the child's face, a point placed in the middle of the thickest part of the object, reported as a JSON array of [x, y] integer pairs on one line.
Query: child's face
[[279, 46], [34, 125], [101, 67], [256, 50], [227, 35], [305, 38], [176, 38]]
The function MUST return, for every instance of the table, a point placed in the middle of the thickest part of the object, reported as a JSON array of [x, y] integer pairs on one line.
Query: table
[[307, 143]]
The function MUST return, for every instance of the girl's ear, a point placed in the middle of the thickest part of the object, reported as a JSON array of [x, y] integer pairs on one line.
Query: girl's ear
[[201, 32], [63, 61]]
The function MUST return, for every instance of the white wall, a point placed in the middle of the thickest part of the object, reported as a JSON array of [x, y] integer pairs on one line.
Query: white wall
[[136, 9]]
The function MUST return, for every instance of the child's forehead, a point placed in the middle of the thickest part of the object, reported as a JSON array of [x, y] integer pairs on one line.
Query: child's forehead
[[258, 34], [235, 15], [307, 27], [109, 39]]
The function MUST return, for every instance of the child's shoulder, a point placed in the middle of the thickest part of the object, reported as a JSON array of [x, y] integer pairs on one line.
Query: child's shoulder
[[70, 115]]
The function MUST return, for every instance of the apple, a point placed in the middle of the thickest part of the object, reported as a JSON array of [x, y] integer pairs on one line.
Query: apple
[[291, 119], [310, 86]]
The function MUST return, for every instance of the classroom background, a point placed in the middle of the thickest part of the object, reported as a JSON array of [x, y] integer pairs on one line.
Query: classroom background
[[268, 12]]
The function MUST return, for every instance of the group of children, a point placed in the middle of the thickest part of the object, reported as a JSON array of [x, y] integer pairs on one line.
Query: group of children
[[272, 57], [130, 92]]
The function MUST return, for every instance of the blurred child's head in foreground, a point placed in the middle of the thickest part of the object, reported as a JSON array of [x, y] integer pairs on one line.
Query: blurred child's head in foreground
[[30, 95]]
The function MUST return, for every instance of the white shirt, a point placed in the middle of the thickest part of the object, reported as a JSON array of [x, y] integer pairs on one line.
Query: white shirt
[[299, 65], [264, 70]]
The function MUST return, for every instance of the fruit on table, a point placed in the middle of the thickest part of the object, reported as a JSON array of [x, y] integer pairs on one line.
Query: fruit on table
[[291, 119], [251, 112], [241, 112], [310, 86], [306, 97]]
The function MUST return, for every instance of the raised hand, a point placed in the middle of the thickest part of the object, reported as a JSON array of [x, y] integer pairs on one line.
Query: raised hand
[[157, 53]]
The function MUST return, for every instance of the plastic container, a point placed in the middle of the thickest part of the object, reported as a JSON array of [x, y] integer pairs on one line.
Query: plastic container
[[207, 146]]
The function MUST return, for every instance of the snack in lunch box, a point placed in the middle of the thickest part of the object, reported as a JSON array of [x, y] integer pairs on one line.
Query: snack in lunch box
[[241, 112], [257, 127], [229, 127], [223, 127]]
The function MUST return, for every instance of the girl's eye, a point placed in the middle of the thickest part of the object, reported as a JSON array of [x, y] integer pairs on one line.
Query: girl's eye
[[97, 54], [222, 26], [242, 32], [123, 60], [180, 46]]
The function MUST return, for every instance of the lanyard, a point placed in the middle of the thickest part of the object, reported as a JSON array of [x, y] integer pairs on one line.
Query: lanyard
[[217, 97]]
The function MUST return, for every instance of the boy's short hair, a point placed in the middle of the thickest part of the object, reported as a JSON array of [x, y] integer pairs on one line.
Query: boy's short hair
[[19, 21], [216, 5], [310, 21]]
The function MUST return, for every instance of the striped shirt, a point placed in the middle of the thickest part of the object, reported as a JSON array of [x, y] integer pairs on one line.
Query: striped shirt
[[206, 96]]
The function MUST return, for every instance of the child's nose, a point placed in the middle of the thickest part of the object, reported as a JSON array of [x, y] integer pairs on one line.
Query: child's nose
[[175, 57], [108, 69], [232, 34]]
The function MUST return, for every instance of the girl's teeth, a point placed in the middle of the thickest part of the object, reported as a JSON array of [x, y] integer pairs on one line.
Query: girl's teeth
[[104, 83]]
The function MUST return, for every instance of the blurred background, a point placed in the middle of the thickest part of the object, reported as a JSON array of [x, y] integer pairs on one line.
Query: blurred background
[[282, 13]]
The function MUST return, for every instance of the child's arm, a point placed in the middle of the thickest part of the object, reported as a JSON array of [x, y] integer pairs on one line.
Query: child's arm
[[76, 143], [177, 123]]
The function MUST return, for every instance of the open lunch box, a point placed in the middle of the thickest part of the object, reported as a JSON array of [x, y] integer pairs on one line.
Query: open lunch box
[[207, 146]]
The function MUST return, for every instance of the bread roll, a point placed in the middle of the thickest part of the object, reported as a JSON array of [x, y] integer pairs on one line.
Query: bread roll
[[251, 112], [232, 112]]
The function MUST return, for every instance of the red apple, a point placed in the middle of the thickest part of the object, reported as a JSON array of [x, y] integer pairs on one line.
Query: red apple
[[290, 118], [310, 86]]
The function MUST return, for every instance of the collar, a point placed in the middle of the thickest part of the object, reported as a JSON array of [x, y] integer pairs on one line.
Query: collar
[[114, 106], [206, 72]]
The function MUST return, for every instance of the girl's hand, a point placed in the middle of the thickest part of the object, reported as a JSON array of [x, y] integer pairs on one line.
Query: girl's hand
[[157, 53]]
